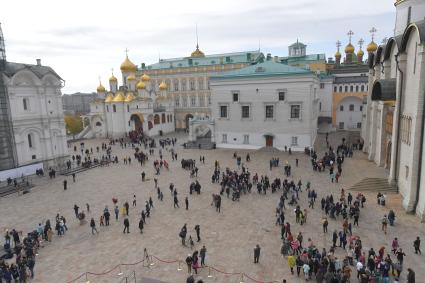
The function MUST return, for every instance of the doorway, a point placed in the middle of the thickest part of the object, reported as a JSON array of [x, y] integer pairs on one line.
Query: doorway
[[269, 141]]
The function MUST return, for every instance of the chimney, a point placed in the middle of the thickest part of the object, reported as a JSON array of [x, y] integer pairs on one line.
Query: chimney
[[38, 62]]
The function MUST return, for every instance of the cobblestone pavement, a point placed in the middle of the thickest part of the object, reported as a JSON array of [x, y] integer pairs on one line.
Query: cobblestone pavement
[[229, 236]]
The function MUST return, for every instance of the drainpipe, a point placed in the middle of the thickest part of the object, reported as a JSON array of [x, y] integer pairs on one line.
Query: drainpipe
[[396, 157], [421, 150]]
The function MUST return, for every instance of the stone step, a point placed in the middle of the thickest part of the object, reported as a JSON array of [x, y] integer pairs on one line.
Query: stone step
[[373, 184]]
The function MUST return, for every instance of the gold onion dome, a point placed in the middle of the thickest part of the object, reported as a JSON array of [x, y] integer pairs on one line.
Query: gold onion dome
[[145, 77], [113, 78], [131, 78], [197, 53], [360, 53], [130, 97], [162, 86], [101, 88], [119, 97], [338, 54], [349, 49], [140, 85], [128, 66], [109, 98], [372, 47]]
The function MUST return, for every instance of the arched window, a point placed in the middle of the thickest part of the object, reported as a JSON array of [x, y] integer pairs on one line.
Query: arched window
[[340, 89], [346, 88], [25, 103], [171, 117], [357, 88], [351, 88], [128, 108], [156, 119], [362, 88], [114, 108], [163, 118], [98, 124], [30, 141], [335, 89]]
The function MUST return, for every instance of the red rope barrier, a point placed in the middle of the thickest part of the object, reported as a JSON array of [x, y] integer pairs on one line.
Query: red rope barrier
[[223, 272], [165, 261], [104, 273]]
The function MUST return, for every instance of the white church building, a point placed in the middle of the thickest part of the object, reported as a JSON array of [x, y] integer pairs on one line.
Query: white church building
[[269, 104]]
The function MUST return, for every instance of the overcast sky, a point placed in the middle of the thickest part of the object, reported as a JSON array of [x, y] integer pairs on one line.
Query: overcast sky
[[83, 40]]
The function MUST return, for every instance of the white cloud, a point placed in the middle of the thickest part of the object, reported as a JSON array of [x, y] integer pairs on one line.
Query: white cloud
[[82, 40]]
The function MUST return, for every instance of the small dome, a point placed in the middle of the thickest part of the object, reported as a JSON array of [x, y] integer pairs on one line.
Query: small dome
[[131, 78], [140, 85], [197, 53], [113, 78], [145, 77], [349, 49], [372, 47], [101, 88], [130, 97], [360, 53], [162, 86], [128, 66], [119, 97], [338, 54], [109, 98]]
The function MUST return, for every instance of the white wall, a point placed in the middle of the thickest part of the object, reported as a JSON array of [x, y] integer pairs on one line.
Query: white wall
[[349, 118]]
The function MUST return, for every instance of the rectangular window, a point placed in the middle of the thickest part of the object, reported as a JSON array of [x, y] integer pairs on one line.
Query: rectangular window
[[295, 111], [246, 139], [322, 85], [359, 125], [361, 108], [223, 111], [183, 82], [320, 106], [245, 111], [193, 101], [177, 101], [351, 107], [269, 111], [341, 108], [294, 141], [25, 103], [209, 99], [176, 85], [192, 84], [184, 101], [201, 101], [235, 97], [341, 125], [281, 95], [29, 141], [224, 138], [34, 156], [201, 83]]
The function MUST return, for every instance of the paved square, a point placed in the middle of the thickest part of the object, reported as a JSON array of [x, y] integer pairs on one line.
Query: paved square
[[229, 236]]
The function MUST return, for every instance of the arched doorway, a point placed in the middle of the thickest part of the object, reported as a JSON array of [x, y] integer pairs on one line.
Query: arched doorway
[[137, 120], [186, 119], [269, 140]]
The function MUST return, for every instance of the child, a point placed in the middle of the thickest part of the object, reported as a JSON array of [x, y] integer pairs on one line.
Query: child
[[191, 243]]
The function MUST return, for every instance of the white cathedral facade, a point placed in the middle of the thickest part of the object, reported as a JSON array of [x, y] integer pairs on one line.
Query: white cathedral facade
[[394, 126], [36, 115]]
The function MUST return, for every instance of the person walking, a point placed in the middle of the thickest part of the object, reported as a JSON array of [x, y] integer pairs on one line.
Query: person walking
[[189, 262], [93, 226], [186, 201], [73, 177], [141, 225], [198, 232], [325, 224], [76, 210], [410, 276], [176, 201], [183, 233], [65, 185], [134, 200], [126, 225], [257, 251], [417, 245], [384, 224], [117, 212], [291, 262], [203, 253]]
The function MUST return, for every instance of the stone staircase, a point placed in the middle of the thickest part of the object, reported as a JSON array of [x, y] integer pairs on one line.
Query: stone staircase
[[374, 185], [203, 143]]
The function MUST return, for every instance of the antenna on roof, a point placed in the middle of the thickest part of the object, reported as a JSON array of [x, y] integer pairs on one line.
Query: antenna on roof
[[196, 30]]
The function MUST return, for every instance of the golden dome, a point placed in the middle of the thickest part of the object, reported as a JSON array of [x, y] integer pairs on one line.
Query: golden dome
[[101, 88], [130, 97], [113, 78], [349, 48], [162, 86], [119, 97], [372, 47], [197, 53], [145, 77], [131, 78], [109, 98], [360, 53], [338, 54], [128, 66], [140, 85]]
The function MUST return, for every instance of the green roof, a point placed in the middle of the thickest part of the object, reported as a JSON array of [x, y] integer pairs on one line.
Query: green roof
[[304, 59], [268, 68], [248, 57]]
